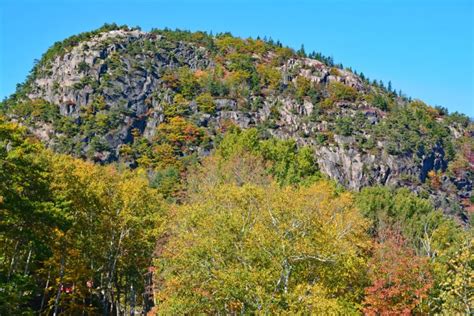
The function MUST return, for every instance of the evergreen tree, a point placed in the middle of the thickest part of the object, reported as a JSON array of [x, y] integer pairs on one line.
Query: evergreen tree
[[301, 52]]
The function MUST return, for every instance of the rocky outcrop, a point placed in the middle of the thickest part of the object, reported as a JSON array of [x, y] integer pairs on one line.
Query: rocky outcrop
[[126, 70], [103, 66]]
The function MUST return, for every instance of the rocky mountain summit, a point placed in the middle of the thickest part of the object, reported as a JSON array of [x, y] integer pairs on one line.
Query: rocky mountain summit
[[143, 98]]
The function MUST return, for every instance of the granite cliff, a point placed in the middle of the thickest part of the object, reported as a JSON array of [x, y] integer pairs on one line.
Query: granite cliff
[[111, 95]]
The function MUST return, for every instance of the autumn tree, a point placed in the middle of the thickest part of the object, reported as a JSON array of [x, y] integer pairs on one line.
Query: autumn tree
[[28, 214], [269, 76], [400, 280], [179, 133], [103, 256], [264, 249], [457, 285], [205, 103]]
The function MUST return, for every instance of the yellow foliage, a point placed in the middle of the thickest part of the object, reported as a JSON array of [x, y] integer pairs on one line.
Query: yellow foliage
[[257, 247], [117, 218], [269, 76]]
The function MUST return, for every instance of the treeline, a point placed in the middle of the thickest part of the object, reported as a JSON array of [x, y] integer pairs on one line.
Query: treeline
[[256, 229]]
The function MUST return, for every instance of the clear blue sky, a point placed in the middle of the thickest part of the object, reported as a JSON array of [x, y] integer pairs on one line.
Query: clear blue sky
[[424, 47]]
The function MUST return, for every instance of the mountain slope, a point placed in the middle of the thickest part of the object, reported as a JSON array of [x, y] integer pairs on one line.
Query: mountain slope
[[120, 94]]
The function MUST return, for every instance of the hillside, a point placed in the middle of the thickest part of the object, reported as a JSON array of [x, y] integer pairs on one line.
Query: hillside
[[109, 95], [219, 119]]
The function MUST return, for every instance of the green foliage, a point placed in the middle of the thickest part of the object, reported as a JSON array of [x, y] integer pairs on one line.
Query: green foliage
[[64, 221], [83, 66], [28, 214], [344, 126], [306, 89], [428, 233], [460, 165], [98, 123], [386, 208], [242, 62], [328, 60], [282, 54], [200, 38], [459, 118], [286, 162], [414, 129], [299, 247], [230, 44], [167, 181], [457, 287], [179, 107], [206, 103], [99, 103], [212, 82], [340, 92], [380, 101], [269, 76], [188, 84], [36, 110], [110, 240], [253, 228]]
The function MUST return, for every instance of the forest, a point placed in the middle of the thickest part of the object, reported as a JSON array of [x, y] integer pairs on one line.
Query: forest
[[253, 229]]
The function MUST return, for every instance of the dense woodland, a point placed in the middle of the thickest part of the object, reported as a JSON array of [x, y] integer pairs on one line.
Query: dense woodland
[[251, 227], [256, 229]]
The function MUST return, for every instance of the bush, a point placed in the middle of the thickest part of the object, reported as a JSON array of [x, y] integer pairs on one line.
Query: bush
[[344, 126], [179, 133], [269, 76], [206, 103], [188, 83], [37, 109], [380, 101], [341, 92], [334, 72], [166, 181], [179, 107]]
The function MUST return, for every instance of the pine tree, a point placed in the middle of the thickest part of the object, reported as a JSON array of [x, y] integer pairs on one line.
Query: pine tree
[[301, 52]]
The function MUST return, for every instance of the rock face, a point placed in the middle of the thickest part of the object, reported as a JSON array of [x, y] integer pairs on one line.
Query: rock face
[[79, 74], [127, 77]]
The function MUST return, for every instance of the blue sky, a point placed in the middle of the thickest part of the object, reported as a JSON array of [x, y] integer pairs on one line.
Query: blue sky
[[424, 47]]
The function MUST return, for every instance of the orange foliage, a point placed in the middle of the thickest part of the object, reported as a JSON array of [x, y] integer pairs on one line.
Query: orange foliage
[[434, 179], [400, 279], [179, 133]]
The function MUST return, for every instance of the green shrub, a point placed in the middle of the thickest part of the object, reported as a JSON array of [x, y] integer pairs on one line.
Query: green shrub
[[206, 103], [340, 92], [380, 101], [344, 126], [179, 107]]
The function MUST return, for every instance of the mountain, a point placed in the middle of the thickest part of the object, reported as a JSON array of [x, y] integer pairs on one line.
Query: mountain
[[171, 172], [95, 95]]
